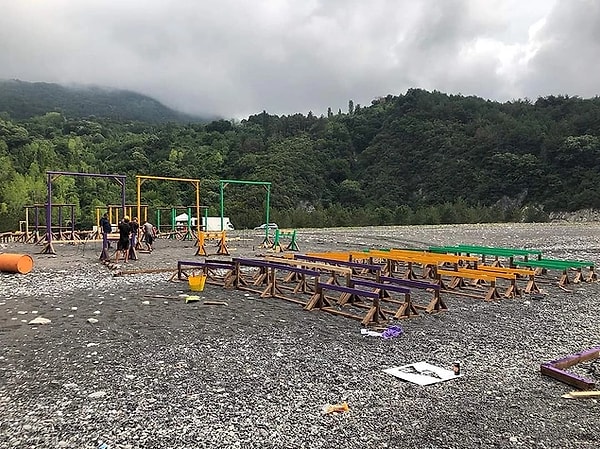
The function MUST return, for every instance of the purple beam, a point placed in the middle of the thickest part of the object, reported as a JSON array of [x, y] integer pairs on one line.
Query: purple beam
[[265, 264], [341, 263], [49, 213], [350, 290], [389, 287], [412, 283], [556, 368]]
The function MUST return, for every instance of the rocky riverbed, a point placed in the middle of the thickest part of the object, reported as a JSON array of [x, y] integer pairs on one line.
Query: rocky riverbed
[[127, 363]]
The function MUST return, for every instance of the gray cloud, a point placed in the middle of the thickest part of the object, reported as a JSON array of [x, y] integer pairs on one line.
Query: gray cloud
[[567, 62], [235, 58]]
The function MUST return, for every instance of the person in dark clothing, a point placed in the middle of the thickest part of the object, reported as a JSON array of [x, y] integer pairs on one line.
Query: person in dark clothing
[[135, 229], [123, 244], [106, 228]]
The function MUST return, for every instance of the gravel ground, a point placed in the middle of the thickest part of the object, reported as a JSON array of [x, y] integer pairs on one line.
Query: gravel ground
[[159, 373]]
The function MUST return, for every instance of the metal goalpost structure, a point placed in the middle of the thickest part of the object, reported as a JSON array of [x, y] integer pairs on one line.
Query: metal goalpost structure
[[195, 182], [267, 185], [52, 175]]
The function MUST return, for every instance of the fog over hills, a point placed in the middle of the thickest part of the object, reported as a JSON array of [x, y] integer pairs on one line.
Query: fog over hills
[[22, 100]]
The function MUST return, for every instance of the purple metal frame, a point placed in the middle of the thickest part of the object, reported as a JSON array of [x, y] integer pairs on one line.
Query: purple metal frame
[[52, 175]]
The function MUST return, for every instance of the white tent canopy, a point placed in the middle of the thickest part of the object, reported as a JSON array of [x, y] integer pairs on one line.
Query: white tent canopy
[[183, 219]]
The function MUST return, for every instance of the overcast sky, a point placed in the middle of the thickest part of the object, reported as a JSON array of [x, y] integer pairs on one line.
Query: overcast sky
[[234, 58]]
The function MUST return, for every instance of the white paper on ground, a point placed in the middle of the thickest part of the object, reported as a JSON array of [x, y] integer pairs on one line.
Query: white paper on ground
[[370, 333], [422, 373]]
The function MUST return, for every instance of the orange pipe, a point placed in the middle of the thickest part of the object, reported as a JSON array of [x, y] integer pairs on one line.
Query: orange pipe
[[16, 263]]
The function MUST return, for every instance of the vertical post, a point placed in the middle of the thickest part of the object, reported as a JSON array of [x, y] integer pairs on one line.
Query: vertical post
[[60, 221], [26, 224], [139, 198], [123, 195], [267, 209], [72, 222], [49, 211], [173, 215], [188, 233], [198, 217], [221, 187], [49, 249]]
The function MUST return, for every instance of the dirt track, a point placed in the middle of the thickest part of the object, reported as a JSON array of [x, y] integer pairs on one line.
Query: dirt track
[[157, 372]]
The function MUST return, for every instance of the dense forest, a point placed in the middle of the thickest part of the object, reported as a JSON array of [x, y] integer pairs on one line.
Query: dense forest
[[417, 158]]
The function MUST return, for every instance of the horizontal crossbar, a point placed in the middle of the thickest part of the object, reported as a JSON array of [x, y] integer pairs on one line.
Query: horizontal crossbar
[[343, 263], [388, 287], [411, 283], [266, 264], [350, 290]]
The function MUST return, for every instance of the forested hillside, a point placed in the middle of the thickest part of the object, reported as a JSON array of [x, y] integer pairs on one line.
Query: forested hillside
[[421, 157]]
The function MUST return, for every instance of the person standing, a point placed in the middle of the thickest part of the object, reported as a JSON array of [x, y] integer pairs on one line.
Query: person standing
[[148, 231], [135, 229], [105, 228], [123, 244]]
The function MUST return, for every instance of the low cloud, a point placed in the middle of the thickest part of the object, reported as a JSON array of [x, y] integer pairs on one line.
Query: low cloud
[[235, 58]]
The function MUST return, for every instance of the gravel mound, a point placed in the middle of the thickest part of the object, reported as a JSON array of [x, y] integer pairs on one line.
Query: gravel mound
[[125, 362]]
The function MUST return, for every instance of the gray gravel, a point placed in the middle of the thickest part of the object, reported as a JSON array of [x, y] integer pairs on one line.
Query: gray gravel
[[155, 372]]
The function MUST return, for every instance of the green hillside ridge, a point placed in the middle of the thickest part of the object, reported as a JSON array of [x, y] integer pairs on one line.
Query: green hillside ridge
[[23, 100], [416, 158]]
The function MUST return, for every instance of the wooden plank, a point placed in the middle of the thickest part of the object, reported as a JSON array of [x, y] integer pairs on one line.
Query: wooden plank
[[411, 283], [349, 290], [317, 265], [517, 271], [343, 263], [377, 285], [472, 274], [582, 394], [266, 264], [495, 274], [569, 378]]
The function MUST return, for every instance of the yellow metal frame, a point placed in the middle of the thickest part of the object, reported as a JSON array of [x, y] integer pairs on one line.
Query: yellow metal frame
[[195, 182]]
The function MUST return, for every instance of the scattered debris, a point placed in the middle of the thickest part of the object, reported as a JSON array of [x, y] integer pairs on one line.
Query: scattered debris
[[191, 298], [456, 368], [97, 394], [40, 320], [422, 373], [369, 333], [336, 408], [215, 303], [92, 320], [582, 394], [144, 271], [392, 332]]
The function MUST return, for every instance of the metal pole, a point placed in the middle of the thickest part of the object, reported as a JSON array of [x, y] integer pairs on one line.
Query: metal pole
[[221, 187], [198, 217], [49, 212], [267, 208], [139, 197], [123, 195]]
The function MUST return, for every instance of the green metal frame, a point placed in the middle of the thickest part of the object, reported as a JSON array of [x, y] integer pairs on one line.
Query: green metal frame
[[267, 185]]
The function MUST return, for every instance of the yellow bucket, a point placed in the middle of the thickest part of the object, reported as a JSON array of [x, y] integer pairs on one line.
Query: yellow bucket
[[196, 283]]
